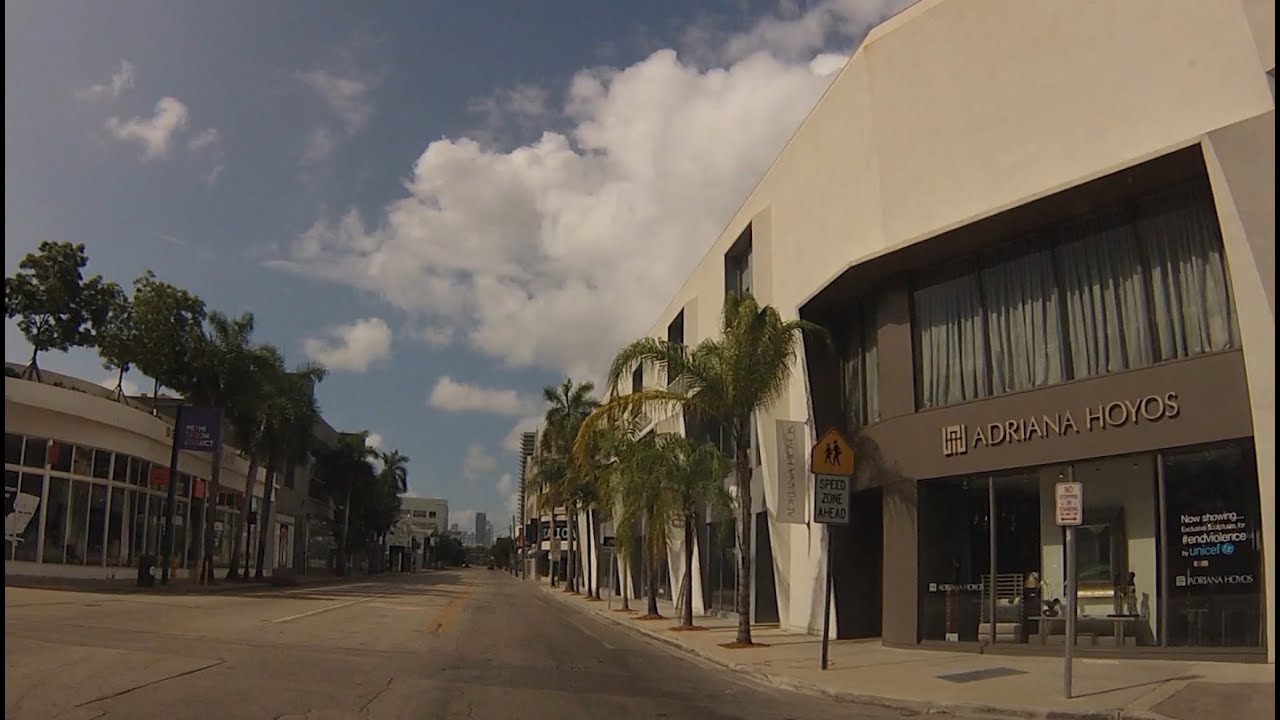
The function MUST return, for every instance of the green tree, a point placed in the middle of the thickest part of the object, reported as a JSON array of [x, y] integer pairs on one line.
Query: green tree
[[722, 381], [645, 502], [562, 480], [169, 323], [342, 472], [56, 306], [117, 337], [501, 552]]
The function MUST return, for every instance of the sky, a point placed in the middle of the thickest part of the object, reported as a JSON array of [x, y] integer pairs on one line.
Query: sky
[[450, 205]]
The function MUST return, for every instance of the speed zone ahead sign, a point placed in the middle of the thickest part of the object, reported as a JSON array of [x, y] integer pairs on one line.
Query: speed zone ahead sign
[[831, 499]]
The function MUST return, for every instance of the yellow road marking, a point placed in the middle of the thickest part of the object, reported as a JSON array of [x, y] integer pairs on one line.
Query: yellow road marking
[[448, 613]]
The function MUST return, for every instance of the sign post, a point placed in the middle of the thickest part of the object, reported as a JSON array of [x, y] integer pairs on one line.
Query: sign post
[[831, 461], [1068, 503], [198, 429]]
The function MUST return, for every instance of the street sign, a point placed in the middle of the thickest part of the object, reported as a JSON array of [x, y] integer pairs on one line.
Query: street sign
[[1068, 500], [831, 455], [831, 499]]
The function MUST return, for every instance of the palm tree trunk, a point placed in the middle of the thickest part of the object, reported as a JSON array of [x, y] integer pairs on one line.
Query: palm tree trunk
[[203, 554], [624, 576], [233, 572], [265, 530], [653, 585], [570, 571], [744, 543], [586, 567], [686, 614]]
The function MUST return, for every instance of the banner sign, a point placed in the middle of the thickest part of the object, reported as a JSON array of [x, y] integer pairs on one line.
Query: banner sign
[[199, 428], [791, 472]]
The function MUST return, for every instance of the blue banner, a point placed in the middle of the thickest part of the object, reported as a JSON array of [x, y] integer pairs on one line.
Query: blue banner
[[199, 428]]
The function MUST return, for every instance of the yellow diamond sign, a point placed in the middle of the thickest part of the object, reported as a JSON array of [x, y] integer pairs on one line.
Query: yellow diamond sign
[[831, 455]]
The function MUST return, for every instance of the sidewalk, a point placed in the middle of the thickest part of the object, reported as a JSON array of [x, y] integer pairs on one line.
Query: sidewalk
[[184, 586], [968, 684]]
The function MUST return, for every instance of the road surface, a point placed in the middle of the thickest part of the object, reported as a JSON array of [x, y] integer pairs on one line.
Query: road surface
[[469, 643]]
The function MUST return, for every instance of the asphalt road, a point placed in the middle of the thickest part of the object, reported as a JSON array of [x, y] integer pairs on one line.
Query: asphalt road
[[455, 644]]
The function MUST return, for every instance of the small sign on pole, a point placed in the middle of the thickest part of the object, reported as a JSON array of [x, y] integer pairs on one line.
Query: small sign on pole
[[1068, 511], [831, 462]]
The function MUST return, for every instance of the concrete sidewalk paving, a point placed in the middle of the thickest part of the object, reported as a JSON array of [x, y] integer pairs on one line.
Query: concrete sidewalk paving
[[968, 684], [185, 586]]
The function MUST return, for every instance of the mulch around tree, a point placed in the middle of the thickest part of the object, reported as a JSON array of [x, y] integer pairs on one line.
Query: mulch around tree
[[626, 610], [743, 646], [648, 616], [691, 628]]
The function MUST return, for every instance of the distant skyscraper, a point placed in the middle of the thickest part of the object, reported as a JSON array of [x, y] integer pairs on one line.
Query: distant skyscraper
[[482, 529]]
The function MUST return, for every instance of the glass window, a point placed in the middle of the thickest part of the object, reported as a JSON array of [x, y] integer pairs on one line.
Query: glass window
[[11, 518], [860, 383], [82, 461], [34, 452], [120, 470], [60, 456], [155, 515], [102, 464], [55, 520], [116, 533], [180, 526], [719, 579], [1096, 294], [1214, 554], [12, 449], [26, 514], [137, 525], [78, 523], [955, 555], [95, 538]]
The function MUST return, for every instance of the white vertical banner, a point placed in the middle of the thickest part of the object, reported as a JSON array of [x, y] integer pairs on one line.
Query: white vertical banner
[[792, 471]]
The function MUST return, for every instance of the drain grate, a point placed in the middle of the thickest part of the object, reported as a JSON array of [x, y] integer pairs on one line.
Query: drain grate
[[976, 675]]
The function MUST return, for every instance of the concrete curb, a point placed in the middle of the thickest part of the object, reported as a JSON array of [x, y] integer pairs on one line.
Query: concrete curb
[[923, 707]]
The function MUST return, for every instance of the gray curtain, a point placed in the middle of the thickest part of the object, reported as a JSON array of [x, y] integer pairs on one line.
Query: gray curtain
[[1024, 323], [1191, 295], [861, 369], [1106, 294], [952, 339]]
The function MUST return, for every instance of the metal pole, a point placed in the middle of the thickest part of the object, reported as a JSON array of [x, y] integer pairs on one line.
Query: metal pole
[[1163, 620], [826, 602], [171, 499], [1070, 641], [991, 552]]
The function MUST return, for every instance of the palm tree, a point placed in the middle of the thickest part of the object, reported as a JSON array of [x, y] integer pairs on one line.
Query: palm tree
[[339, 470], [724, 381], [248, 424], [694, 476], [291, 416], [646, 502], [561, 480], [395, 477]]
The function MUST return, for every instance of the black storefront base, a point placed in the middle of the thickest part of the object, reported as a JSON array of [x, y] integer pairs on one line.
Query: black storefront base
[[1237, 655]]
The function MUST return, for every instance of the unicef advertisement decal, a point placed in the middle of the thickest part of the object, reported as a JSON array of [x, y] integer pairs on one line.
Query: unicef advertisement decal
[[1215, 550]]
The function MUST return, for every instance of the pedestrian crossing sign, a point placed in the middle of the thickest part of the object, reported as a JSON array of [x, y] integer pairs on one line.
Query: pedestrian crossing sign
[[831, 455]]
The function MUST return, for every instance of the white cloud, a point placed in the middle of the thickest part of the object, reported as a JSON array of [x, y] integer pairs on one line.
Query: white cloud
[[203, 139], [373, 441], [122, 79], [109, 382], [319, 145], [434, 335], [346, 96], [509, 491], [525, 424], [353, 347], [556, 253], [478, 462], [454, 396], [155, 133]]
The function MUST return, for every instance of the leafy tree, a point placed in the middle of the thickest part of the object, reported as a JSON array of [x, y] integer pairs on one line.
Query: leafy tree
[[646, 503], [118, 339], [562, 480], [501, 552], [395, 467], [57, 308], [722, 381], [343, 471], [169, 322]]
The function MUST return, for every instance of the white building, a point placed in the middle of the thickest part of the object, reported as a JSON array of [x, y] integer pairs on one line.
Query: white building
[[1043, 237]]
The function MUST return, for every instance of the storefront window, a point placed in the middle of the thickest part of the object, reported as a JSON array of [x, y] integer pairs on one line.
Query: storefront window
[[138, 529], [82, 461], [1214, 555], [102, 464], [120, 470], [60, 456], [97, 534], [34, 451], [719, 583], [55, 520], [155, 512], [12, 449], [10, 517], [78, 525], [955, 557], [116, 534], [26, 514]]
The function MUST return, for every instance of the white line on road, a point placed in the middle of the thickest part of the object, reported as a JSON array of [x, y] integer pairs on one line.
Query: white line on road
[[323, 588], [326, 608]]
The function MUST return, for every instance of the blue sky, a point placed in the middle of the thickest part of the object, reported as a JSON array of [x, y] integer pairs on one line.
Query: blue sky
[[449, 204]]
